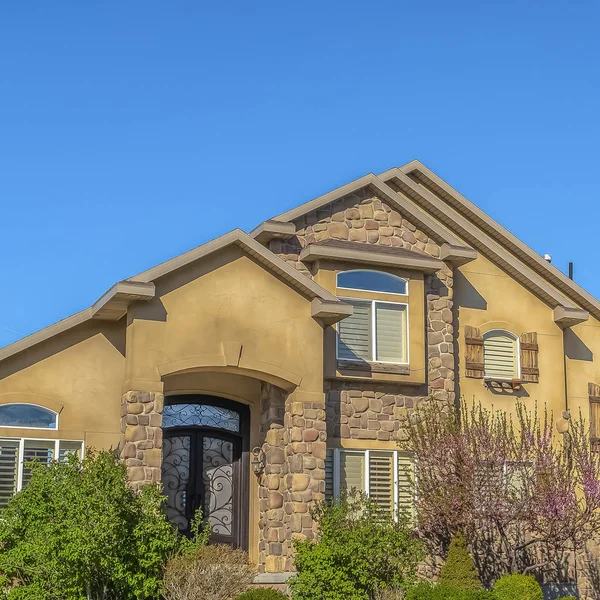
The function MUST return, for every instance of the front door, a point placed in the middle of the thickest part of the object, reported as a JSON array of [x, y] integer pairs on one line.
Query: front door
[[205, 465]]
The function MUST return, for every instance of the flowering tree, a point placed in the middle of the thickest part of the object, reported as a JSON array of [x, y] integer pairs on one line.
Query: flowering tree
[[523, 495]]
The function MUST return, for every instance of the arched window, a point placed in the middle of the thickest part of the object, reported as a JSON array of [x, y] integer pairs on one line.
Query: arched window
[[377, 331], [372, 281], [27, 415], [501, 355]]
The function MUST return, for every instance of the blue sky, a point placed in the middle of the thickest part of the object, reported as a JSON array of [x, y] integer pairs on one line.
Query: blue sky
[[133, 131]]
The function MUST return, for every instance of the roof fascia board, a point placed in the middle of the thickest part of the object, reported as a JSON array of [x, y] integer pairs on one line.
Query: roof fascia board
[[271, 229], [475, 237], [314, 252], [113, 304], [424, 221], [503, 236], [44, 334]]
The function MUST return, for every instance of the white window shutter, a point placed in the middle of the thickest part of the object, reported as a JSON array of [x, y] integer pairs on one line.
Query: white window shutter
[[500, 356], [38, 451], [391, 332], [354, 340], [352, 471], [406, 485], [381, 479], [9, 466]]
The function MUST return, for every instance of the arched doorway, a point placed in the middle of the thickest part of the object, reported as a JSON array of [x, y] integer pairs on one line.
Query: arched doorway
[[206, 465]]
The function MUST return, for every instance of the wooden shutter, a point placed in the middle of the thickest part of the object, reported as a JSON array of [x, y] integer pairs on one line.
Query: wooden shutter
[[474, 352], [354, 340], [406, 484], [530, 370], [352, 471], [9, 465], [390, 333], [329, 474], [594, 396], [381, 479]]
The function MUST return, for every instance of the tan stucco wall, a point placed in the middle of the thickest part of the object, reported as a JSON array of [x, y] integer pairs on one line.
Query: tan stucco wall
[[78, 374], [488, 298]]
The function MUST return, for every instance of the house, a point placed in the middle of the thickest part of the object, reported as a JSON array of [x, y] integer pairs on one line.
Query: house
[[260, 372]]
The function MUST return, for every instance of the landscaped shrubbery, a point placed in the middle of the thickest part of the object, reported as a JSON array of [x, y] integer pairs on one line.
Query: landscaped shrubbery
[[518, 587], [263, 594], [361, 550], [426, 591], [459, 571]]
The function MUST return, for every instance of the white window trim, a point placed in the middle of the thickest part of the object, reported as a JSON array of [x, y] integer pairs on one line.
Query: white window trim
[[336, 487], [518, 351], [341, 287], [22, 441], [374, 334], [57, 415]]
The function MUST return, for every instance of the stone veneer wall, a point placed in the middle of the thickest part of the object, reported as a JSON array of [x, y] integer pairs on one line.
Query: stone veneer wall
[[294, 448], [141, 448], [372, 411]]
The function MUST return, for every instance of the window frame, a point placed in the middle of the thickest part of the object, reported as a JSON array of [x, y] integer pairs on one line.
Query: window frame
[[336, 473], [373, 332], [517, 352], [21, 462], [56, 414], [341, 287]]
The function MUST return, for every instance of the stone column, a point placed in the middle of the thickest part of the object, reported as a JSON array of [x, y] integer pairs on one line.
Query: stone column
[[141, 447]]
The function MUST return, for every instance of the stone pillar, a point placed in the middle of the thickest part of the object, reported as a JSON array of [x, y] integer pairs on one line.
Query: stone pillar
[[141, 447]]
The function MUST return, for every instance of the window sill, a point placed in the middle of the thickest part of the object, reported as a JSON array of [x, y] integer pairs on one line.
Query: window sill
[[356, 371], [356, 366]]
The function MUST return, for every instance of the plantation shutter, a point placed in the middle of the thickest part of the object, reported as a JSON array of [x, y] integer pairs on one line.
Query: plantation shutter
[[406, 484], [474, 352], [9, 466], [500, 355], [67, 448], [594, 397], [390, 333], [352, 471], [529, 358], [354, 340], [38, 451], [329, 474], [381, 479]]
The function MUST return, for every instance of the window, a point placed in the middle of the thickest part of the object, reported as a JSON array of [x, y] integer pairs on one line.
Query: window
[[16, 452], [372, 281], [500, 355], [385, 475], [27, 415]]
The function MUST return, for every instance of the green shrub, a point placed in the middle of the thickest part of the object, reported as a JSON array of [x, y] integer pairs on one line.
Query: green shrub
[[568, 598], [426, 591], [518, 587], [459, 570], [360, 550], [78, 530], [263, 594]]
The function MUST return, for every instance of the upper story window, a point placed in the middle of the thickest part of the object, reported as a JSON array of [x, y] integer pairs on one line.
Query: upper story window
[[377, 331], [28, 416], [501, 355], [372, 281]]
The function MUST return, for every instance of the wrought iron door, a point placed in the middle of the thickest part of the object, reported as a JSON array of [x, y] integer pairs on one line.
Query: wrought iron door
[[205, 465]]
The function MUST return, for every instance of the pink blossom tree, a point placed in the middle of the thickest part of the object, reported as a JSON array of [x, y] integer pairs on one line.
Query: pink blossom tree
[[523, 495]]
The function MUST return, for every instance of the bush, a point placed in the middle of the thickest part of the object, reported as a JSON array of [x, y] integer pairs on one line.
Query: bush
[[568, 598], [459, 570], [426, 591], [263, 594], [78, 530], [361, 550], [518, 587], [207, 573]]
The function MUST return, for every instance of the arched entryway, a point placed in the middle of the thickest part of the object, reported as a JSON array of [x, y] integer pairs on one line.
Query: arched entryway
[[205, 464]]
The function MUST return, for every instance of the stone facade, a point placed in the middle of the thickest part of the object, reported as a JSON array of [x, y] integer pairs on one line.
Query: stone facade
[[141, 449]]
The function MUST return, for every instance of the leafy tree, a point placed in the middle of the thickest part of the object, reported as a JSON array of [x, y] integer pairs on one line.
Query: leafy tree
[[78, 531], [360, 551], [459, 571], [517, 491]]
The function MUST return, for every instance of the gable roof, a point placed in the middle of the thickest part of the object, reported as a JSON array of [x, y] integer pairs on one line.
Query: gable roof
[[427, 178], [112, 305]]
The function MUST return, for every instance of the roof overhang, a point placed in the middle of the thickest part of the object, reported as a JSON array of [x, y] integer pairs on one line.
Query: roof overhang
[[361, 253], [113, 305], [567, 317], [272, 230]]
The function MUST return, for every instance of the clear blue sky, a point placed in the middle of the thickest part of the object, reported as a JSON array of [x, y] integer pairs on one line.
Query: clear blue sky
[[133, 131]]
